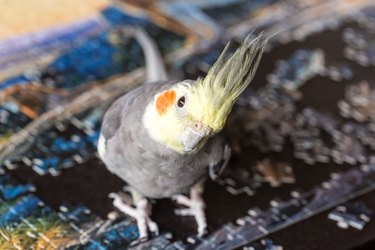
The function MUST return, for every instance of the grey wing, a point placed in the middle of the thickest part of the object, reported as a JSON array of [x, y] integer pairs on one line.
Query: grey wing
[[111, 123], [113, 117], [112, 120]]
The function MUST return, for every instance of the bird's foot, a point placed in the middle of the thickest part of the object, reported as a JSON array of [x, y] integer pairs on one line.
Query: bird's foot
[[195, 208], [141, 213]]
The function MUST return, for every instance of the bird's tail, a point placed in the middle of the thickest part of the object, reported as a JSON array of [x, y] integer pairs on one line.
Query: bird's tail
[[154, 62]]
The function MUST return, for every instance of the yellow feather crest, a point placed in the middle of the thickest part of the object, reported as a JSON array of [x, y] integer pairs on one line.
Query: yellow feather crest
[[215, 95]]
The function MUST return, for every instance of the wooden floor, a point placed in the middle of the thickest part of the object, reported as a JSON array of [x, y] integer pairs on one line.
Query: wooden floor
[[21, 17]]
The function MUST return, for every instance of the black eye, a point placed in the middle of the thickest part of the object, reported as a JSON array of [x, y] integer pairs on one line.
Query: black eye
[[181, 102]]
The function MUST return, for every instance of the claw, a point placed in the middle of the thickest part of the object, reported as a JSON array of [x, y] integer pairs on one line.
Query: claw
[[153, 227], [141, 213]]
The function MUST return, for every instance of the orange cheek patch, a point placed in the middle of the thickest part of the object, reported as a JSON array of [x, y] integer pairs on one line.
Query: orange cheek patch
[[164, 101]]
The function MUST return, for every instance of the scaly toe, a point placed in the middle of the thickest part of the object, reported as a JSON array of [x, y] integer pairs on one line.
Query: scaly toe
[[182, 200], [184, 212]]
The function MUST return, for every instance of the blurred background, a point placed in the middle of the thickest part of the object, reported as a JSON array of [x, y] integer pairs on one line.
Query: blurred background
[[302, 173]]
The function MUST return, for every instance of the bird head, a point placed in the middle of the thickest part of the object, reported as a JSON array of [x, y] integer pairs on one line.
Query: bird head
[[184, 116]]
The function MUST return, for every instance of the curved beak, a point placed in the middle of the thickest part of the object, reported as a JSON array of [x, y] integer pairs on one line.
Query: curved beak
[[193, 135]]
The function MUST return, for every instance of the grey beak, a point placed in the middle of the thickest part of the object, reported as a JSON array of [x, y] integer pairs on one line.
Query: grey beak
[[192, 137]]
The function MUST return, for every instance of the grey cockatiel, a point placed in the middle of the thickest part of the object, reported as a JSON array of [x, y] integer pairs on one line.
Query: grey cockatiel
[[162, 137]]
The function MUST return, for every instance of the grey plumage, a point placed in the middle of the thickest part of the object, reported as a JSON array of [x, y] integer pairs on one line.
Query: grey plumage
[[163, 138], [153, 169], [146, 165]]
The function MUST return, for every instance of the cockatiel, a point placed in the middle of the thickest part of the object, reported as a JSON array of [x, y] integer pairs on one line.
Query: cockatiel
[[162, 137]]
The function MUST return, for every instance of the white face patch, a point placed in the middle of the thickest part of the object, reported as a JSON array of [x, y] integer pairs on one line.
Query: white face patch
[[101, 146]]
